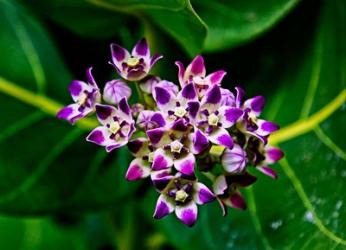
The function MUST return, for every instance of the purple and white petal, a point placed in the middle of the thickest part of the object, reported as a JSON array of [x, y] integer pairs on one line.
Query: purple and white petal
[[71, 113], [161, 160], [79, 90], [169, 86], [138, 169], [202, 194], [154, 59], [239, 96], [90, 78], [195, 68], [100, 136], [192, 109], [227, 98], [221, 136], [215, 78], [220, 185], [273, 154], [188, 93], [157, 136], [105, 113], [141, 50], [179, 125], [185, 164], [164, 99], [163, 207], [234, 160], [187, 213], [199, 140], [213, 96], [265, 128], [139, 146], [161, 178], [124, 109], [268, 171], [256, 104], [119, 55], [181, 73], [158, 120], [229, 116], [148, 85], [116, 144], [115, 90]]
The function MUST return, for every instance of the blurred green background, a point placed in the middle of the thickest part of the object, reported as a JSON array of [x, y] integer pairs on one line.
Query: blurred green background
[[59, 192]]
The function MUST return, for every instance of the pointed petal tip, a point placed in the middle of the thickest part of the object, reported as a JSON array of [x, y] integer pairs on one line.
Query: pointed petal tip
[[268, 171]]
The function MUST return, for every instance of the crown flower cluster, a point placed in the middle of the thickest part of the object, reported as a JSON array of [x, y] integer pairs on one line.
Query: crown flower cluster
[[179, 135]]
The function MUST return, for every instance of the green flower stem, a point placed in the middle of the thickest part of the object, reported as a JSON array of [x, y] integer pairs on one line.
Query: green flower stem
[[140, 93]]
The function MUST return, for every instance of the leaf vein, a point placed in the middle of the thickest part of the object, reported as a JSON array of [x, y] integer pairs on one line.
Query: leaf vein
[[28, 49], [303, 126], [329, 143], [21, 124], [255, 220], [42, 167], [307, 203]]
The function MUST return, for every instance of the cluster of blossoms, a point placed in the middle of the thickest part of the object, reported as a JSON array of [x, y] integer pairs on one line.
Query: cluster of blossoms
[[178, 134]]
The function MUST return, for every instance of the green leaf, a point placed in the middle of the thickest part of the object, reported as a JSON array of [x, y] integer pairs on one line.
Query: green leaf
[[46, 166], [39, 234], [305, 207], [231, 23], [103, 19], [176, 17], [81, 17]]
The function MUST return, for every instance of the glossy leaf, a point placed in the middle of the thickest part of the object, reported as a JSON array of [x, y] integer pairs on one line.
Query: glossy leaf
[[231, 23], [82, 17], [46, 165]]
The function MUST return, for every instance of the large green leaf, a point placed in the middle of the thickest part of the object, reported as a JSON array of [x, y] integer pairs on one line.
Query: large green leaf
[[45, 164], [176, 17], [231, 23], [89, 22], [102, 18], [304, 208]]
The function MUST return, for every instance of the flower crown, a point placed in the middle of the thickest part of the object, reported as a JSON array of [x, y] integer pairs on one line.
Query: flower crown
[[178, 134]]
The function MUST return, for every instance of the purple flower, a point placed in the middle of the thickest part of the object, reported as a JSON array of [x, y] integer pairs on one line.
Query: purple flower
[[148, 119], [251, 124], [174, 106], [271, 155], [234, 160], [148, 163], [148, 84], [85, 95], [182, 196], [134, 66], [115, 90], [226, 187], [117, 126], [196, 73], [214, 118], [174, 149], [227, 98]]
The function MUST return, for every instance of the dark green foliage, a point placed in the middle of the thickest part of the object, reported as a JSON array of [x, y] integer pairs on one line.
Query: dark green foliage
[[47, 167]]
